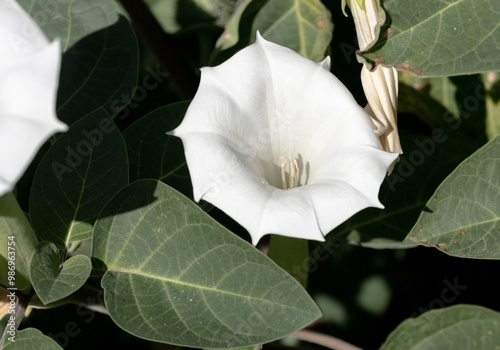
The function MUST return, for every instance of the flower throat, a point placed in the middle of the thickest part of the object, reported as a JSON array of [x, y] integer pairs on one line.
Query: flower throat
[[293, 172]]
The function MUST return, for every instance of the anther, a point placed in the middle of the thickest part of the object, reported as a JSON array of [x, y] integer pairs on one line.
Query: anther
[[293, 172], [295, 177]]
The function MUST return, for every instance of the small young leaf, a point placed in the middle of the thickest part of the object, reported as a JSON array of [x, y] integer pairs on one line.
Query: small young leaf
[[177, 276], [53, 281], [454, 327], [82, 170], [30, 339], [462, 218]]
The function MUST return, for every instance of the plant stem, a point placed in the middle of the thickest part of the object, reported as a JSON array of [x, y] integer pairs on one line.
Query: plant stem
[[90, 297], [324, 340], [292, 255], [163, 46], [19, 311]]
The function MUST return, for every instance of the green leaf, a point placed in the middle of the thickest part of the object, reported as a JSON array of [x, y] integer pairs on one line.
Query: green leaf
[[440, 38], [154, 154], [220, 9], [443, 90], [100, 62], [455, 327], [14, 223], [30, 339], [302, 25], [231, 35], [462, 218], [174, 15], [98, 71], [82, 170], [454, 104], [177, 276], [53, 281], [164, 12], [71, 20]]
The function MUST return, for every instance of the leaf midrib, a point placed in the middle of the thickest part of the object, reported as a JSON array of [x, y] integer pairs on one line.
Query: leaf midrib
[[196, 286]]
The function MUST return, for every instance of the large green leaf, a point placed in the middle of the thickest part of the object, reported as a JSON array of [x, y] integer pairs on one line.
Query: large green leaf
[[177, 276], [440, 37], [455, 327], [13, 223], [31, 339], [53, 281], [84, 168], [100, 61], [154, 154], [71, 20], [463, 216], [98, 71], [302, 25]]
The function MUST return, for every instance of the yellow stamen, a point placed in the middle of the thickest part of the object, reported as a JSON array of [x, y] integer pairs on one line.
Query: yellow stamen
[[293, 172], [296, 174], [283, 172]]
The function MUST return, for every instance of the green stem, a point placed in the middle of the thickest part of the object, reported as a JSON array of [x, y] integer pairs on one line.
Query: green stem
[[18, 314], [291, 254], [163, 46], [323, 340]]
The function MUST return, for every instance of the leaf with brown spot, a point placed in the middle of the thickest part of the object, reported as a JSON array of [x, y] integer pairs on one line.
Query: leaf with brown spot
[[468, 208], [460, 36]]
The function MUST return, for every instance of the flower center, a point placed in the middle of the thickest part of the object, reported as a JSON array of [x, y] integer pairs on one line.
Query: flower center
[[293, 172]]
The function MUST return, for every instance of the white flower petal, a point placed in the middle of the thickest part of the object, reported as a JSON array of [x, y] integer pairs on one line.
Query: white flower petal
[[262, 104], [19, 33], [29, 76]]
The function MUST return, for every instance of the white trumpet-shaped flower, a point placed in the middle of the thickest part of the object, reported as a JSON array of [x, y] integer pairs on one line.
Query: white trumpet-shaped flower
[[381, 85], [29, 76], [279, 144]]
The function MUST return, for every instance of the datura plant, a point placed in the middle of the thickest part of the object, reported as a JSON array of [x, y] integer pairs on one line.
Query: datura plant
[[29, 71], [200, 173], [279, 144]]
